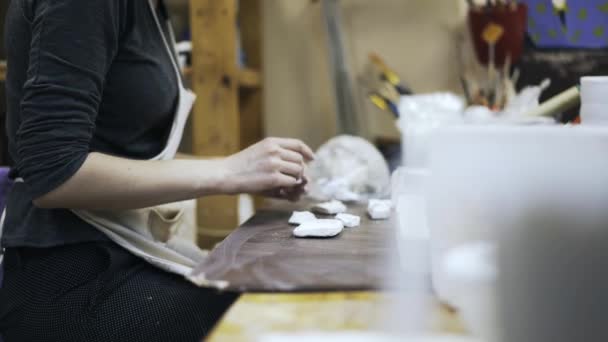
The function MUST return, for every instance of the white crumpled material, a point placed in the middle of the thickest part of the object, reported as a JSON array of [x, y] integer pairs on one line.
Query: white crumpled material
[[514, 112], [348, 169]]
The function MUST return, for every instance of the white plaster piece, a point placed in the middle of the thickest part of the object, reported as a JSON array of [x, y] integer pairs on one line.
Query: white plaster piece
[[330, 208], [379, 209], [350, 221], [319, 228], [299, 217], [347, 196]]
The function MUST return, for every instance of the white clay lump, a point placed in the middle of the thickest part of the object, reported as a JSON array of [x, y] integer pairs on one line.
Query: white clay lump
[[319, 229], [379, 209], [330, 208], [350, 221], [299, 217]]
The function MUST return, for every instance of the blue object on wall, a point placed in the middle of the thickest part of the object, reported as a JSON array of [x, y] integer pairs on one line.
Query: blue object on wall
[[583, 24]]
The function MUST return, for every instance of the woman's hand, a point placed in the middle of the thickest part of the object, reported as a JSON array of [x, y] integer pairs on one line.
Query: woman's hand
[[274, 167]]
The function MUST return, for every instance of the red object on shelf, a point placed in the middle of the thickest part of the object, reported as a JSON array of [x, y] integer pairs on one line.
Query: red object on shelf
[[511, 43]]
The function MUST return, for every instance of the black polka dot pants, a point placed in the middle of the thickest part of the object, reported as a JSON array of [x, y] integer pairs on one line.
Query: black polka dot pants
[[100, 292]]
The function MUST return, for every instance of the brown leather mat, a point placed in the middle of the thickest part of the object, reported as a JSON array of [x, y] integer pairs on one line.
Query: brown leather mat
[[263, 256]]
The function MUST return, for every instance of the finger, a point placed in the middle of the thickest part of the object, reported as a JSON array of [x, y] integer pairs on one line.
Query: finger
[[297, 146], [292, 169], [292, 194], [291, 156], [281, 180]]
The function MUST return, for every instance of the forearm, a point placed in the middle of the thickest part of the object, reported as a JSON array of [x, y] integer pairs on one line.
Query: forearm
[[111, 183]]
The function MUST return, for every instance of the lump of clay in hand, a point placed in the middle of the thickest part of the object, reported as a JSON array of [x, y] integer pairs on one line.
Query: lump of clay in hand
[[319, 228], [350, 221], [379, 209], [330, 208], [299, 217]]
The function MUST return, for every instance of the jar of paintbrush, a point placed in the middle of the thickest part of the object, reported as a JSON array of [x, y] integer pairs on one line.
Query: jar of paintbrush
[[498, 30]]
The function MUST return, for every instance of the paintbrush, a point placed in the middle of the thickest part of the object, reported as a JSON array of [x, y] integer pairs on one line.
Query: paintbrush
[[384, 104], [465, 89], [561, 102], [389, 75], [491, 35], [501, 84]]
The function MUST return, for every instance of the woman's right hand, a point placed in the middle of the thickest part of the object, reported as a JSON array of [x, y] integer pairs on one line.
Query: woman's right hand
[[273, 163]]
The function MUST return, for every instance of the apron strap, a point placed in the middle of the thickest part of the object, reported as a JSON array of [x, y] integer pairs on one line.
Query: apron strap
[[169, 43]]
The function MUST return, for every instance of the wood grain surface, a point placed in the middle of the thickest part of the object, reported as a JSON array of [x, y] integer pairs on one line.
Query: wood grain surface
[[216, 124], [263, 256]]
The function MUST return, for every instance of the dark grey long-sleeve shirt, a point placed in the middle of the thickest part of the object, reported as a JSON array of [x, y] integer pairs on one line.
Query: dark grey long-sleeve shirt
[[83, 76]]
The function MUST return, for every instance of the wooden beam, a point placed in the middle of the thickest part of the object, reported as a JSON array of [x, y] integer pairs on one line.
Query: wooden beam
[[215, 120], [247, 78], [215, 77]]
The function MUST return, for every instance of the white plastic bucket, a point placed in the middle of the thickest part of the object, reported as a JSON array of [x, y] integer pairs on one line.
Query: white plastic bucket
[[484, 180]]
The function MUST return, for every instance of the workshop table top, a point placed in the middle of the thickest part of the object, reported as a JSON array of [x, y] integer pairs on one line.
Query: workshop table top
[[292, 285], [263, 256]]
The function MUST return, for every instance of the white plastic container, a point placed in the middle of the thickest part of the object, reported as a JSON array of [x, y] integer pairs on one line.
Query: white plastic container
[[594, 99], [414, 306], [472, 272], [409, 198], [420, 115], [483, 180]]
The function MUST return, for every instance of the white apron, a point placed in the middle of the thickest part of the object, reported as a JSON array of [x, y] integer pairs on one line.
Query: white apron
[[153, 233]]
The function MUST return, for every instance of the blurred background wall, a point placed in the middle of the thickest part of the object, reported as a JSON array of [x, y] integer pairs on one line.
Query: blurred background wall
[[415, 37]]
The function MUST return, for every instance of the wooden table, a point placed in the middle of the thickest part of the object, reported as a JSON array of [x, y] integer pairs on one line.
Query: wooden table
[[263, 256], [298, 285], [257, 315]]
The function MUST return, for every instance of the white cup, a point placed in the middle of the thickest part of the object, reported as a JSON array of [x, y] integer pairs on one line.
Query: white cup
[[594, 89], [409, 197], [594, 114], [472, 273], [594, 99]]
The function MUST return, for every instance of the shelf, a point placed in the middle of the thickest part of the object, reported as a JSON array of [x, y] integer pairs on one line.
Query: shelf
[[248, 78]]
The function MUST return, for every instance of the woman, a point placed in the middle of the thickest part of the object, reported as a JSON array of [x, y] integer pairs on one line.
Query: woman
[[92, 94]]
